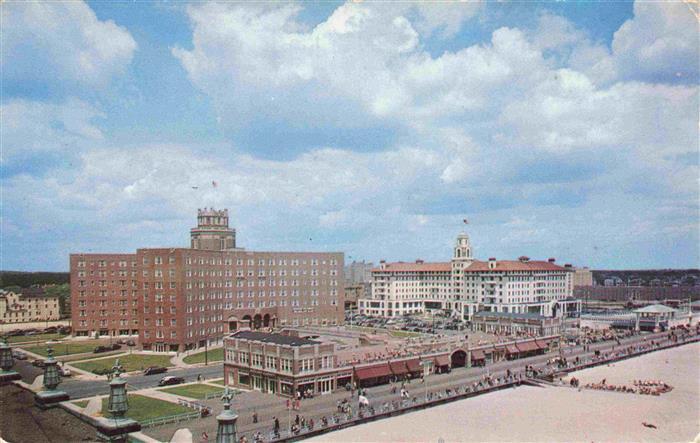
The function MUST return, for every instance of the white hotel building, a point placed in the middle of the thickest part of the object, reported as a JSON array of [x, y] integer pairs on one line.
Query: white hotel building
[[465, 286]]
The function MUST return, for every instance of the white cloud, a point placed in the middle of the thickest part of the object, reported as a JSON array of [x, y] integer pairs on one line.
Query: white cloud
[[567, 112], [242, 50], [62, 41], [35, 128], [660, 41]]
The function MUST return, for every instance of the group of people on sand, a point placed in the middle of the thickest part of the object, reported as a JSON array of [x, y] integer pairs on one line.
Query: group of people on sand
[[643, 387], [652, 387]]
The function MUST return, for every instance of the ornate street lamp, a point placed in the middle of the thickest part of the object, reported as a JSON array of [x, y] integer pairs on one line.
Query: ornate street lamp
[[50, 396], [117, 427], [226, 431], [118, 400], [6, 363]]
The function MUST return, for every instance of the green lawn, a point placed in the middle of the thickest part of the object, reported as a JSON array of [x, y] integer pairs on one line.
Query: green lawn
[[81, 403], [220, 381], [400, 333], [145, 408], [65, 348], [42, 338], [216, 354], [130, 362], [197, 391]]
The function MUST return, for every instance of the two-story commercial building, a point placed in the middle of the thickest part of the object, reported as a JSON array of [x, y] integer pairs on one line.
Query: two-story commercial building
[[282, 364]]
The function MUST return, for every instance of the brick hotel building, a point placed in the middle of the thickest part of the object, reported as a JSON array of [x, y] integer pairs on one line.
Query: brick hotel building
[[176, 299]]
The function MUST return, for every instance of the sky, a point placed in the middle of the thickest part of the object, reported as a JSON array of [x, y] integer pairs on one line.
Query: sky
[[557, 129]]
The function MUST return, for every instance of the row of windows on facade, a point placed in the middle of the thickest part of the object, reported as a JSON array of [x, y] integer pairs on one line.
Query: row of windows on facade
[[104, 312], [158, 260], [250, 283], [240, 273], [103, 323], [272, 362], [172, 273], [220, 306], [104, 274], [83, 303], [104, 293], [260, 293], [212, 295], [275, 261], [219, 284]]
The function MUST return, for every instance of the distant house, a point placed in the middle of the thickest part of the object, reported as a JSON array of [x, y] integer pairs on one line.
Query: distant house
[[27, 305]]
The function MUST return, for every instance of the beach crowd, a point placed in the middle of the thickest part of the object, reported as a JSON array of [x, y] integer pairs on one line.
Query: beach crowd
[[643, 387]]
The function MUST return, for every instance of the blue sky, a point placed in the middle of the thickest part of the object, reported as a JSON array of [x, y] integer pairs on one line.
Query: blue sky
[[559, 129]]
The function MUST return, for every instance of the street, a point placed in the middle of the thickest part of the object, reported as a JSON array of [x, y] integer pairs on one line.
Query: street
[[88, 388]]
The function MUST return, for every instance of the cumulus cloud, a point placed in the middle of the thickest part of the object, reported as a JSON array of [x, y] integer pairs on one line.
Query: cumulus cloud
[[33, 132], [366, 55], [51, 42], [659, 44]]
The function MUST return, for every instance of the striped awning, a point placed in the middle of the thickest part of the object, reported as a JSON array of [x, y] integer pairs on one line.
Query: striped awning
[[414, 365], [527, 346], [398, 367], [478, 354], [442, 360], [541, 344], [375, 371]]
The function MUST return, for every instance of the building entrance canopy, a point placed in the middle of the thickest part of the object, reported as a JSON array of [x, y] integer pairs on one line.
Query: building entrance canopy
[[375, 371]]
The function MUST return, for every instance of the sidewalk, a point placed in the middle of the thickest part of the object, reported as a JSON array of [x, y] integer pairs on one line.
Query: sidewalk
[[179, 359]]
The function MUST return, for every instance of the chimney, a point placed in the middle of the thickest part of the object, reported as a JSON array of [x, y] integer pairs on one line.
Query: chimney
[[492, 262], [524, 258], [551, 260], [568, 265], [419, 262]]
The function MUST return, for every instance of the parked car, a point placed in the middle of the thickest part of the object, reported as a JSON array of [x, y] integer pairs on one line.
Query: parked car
[[101, 349], [154, 370], [19, 355], [65, 372], [38, 363], [170, 380], [116, 346], [130, 343]]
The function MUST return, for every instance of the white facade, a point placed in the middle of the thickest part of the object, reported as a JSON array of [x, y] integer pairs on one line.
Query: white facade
[[407, 288], [465, 286]]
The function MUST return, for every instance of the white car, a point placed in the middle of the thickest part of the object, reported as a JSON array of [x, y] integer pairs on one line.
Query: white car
[[65, 372]]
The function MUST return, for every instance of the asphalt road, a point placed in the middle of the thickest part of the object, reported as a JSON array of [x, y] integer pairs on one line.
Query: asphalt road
[[87, 388]]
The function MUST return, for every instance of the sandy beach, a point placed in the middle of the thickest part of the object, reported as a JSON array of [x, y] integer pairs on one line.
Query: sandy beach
[[561, 414]]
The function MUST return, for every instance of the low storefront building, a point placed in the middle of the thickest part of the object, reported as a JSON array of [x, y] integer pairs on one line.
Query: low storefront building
[[515, 323], [282, 364]]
